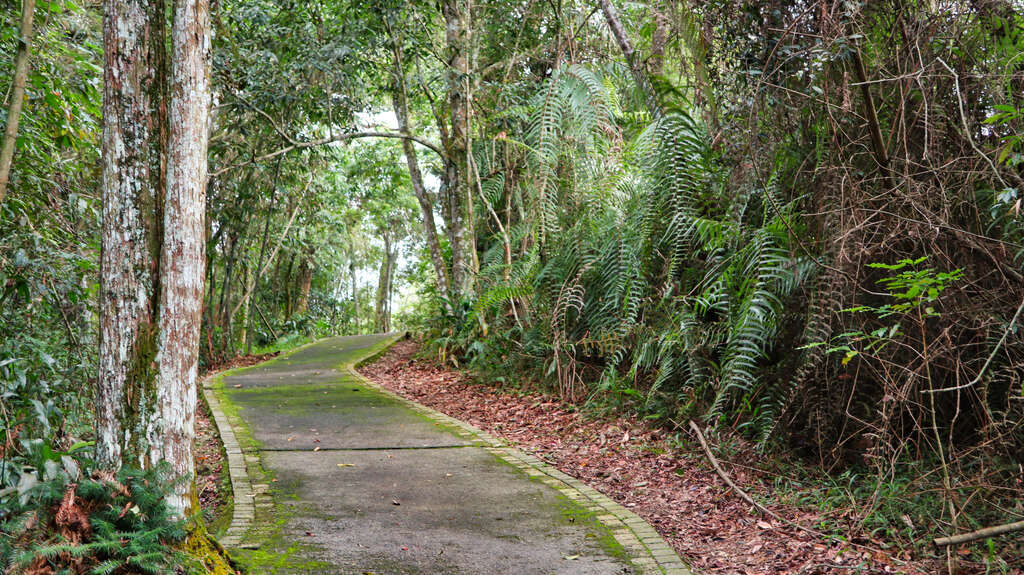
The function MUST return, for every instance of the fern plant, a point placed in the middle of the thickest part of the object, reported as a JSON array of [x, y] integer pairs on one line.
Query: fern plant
[[638, 272], [103, 524]]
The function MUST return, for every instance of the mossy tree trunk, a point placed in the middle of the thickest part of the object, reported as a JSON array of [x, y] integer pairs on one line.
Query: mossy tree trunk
[[133, 184], [152, 257]]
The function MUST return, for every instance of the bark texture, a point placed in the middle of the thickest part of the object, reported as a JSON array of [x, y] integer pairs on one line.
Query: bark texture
[[21, 66], [129, 252], [182, 267], [456, 172]]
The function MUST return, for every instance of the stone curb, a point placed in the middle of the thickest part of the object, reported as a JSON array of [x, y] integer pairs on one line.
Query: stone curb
[[241, 487], [646, 548], [244, 492]]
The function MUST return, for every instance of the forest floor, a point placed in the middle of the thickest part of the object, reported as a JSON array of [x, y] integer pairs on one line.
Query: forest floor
[[637, 465]]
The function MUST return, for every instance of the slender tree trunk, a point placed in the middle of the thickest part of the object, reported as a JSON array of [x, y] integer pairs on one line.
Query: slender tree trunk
[[392, 260], [304, 280], [181, 267], [380, 310], [273, 254], [21, 66], [223, 316], [245, 343], [289, 290], [130, 246], [457, 175], [208, 307], [399, 101], [355, 295]]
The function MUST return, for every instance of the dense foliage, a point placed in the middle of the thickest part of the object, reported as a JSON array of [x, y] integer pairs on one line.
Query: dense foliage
[[798, 223], [72, 520]]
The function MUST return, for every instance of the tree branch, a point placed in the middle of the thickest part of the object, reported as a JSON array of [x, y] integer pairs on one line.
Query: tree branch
[[296, 145]]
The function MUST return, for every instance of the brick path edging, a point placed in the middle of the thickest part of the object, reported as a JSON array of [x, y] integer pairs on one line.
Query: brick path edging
[[244, 491], [241, 486], [645, 547]]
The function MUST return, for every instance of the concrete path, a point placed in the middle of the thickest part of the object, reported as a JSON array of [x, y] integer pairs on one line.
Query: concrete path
[[349, 479]]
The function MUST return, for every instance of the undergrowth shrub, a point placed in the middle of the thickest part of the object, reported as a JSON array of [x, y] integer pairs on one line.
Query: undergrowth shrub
[[61, 518]]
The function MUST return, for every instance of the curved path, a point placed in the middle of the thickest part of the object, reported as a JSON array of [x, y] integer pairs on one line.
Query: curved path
[[334, 475]]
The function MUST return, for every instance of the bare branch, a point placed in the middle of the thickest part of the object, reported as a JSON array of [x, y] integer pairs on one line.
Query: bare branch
[[296, 145]]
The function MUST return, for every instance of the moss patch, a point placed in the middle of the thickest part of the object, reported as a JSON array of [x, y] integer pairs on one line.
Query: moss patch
[[574, 513], [276, 550]]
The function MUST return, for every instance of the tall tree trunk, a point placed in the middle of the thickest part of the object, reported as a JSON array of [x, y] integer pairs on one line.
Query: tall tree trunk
[[355, 295], [21, 66], [304, 280], [152, 254], [273, 254], [399, 100], [380, 310], [392, 260], [133, 183], [223, 316], [457, 175], [244, 342], [181, 267], [289, 291]]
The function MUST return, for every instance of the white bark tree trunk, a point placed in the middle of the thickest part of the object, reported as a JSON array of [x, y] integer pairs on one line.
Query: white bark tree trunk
[[152, 256], [129, 250], [182, 267]]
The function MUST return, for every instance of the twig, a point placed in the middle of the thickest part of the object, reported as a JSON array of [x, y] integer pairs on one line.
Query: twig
[[743, 494], [988, 361], [967, 128], [979, 534]]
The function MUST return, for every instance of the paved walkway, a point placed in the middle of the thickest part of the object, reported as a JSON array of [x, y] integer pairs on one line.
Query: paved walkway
[[334, 475]]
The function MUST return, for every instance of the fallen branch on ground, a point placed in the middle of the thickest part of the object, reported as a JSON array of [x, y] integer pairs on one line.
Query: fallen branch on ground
[[743, 494], [979, 534]]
